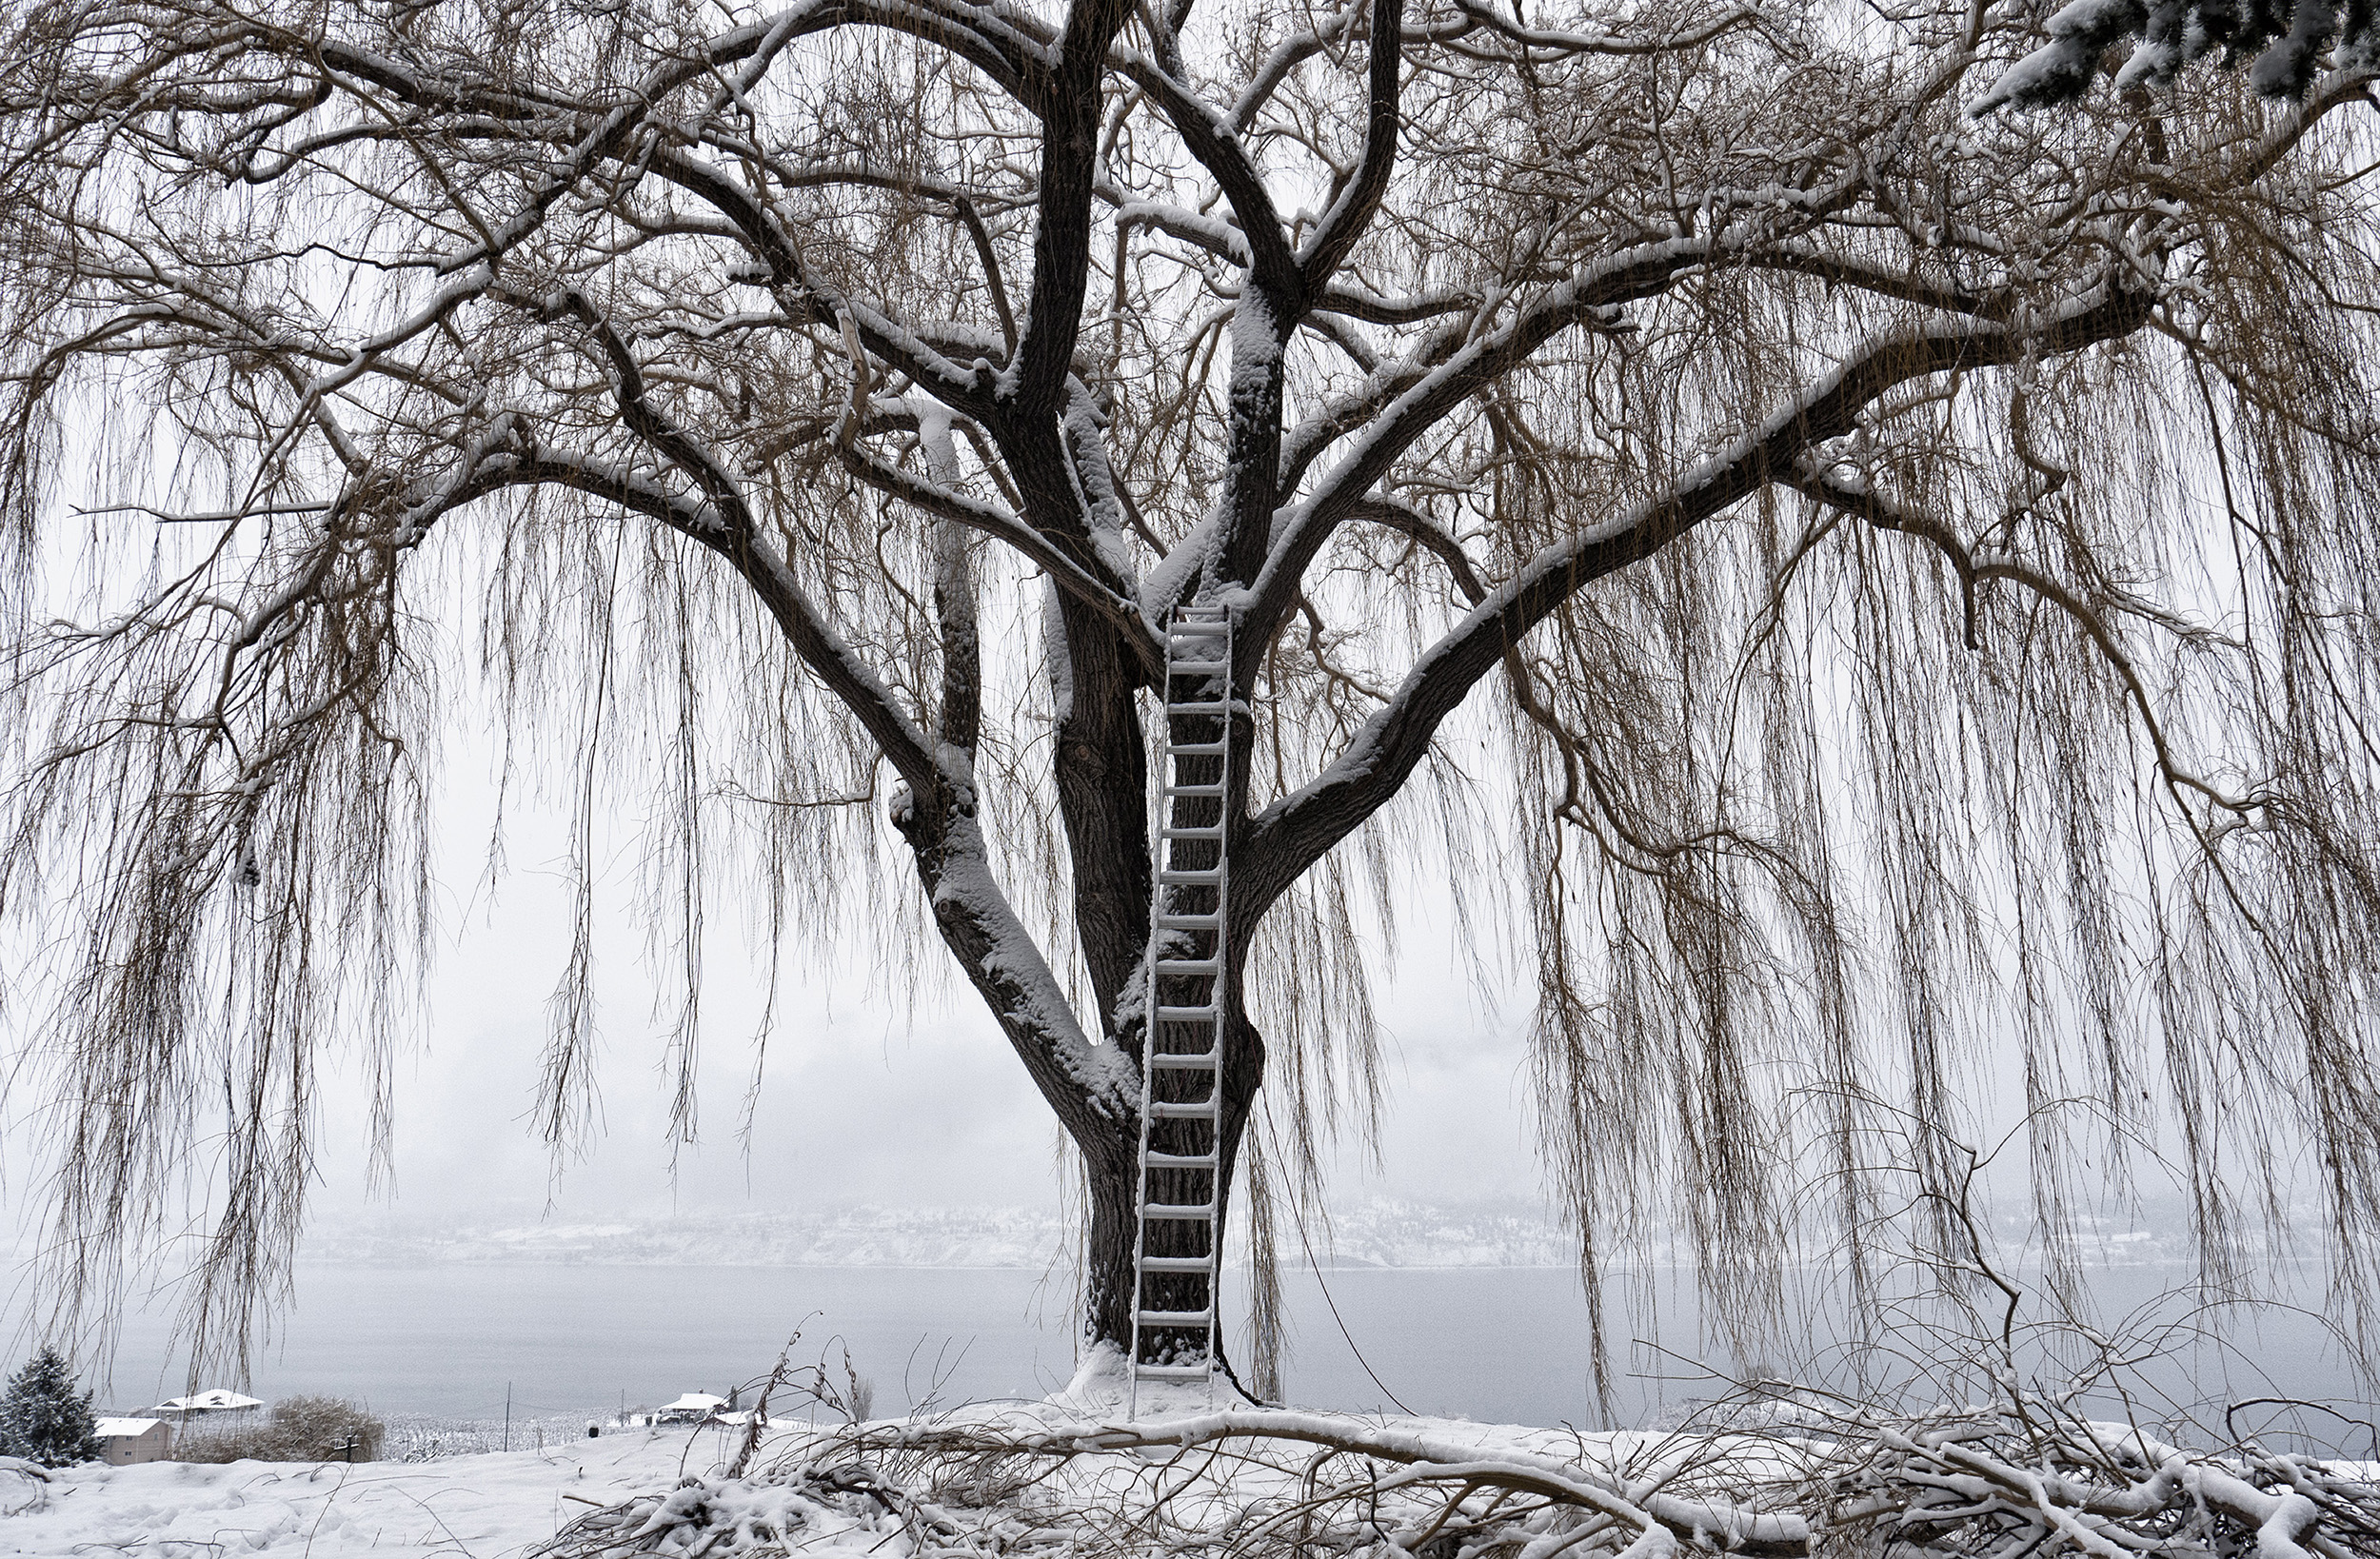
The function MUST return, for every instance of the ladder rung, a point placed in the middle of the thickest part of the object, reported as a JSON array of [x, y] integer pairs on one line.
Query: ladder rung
[[1163, 1111], [1179, 1212], [1175, 1372], [1202, 1060], [1198, 749], [1188, 966], [1196, 668], [1176, 1264], [1193, 790], [1192, 831], [1194, 628], [1201, 706], [1176, 1317], [1186, 1015], [1179, 1160], [1190, 877], [1189, 921]]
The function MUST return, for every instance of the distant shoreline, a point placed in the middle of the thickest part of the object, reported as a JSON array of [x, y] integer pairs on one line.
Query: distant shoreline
[[347, 1263], [539, 1263], [1379, 1236]]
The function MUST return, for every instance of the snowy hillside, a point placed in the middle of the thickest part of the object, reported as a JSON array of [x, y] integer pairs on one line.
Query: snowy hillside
[[1377, 1234], [1394, 1234]]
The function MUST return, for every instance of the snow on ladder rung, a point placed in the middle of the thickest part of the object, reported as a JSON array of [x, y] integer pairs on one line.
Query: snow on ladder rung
[[1189, 921], [1202, 1060], [1194, 790], [1199, 749], [1198, 706], [1188, 966], [1193, 628], [1196, 668], [1175, 1372], [1177, 1317]]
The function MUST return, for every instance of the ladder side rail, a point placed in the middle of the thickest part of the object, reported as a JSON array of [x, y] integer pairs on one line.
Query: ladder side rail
[[1218, 999], [1148, 1032]]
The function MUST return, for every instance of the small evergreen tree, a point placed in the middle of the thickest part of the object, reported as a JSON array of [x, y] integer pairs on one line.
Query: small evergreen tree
[[41, 1419]]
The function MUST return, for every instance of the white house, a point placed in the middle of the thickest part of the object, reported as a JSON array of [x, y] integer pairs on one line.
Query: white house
[[125, 1442], [693, 1407], [183, 1409]]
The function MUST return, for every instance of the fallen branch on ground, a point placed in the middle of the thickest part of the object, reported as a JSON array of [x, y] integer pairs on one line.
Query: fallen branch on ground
[[2011, 1479]]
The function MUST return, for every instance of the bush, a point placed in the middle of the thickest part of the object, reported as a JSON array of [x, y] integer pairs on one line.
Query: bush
[[300, 1429], [41, 1419]]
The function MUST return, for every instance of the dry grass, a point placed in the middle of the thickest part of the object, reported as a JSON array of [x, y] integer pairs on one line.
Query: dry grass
[[299, 1429]]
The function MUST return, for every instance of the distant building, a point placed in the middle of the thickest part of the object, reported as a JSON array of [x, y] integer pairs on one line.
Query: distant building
[[693, 1407], [126, 1442], [206, 1404]]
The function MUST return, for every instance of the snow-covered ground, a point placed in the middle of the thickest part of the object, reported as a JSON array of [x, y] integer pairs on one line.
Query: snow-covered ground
[[495, 1506], [469, 1507], [500, 1505], [1769, 1481]]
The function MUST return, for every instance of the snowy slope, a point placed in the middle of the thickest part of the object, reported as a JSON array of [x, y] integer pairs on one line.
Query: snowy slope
[[487, 1506]]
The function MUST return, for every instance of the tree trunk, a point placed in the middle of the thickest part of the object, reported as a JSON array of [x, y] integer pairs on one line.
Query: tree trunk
[[1111, 1165]]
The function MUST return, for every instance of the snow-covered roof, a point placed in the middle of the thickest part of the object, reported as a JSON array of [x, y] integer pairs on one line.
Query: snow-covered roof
[[119, 1428], [694, 1402], [215, 1401]]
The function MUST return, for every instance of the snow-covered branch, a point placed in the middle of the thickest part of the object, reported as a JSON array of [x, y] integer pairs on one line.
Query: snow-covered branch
[[1327, 248]]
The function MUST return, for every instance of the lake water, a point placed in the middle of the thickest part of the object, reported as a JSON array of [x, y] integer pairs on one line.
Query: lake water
[[1500, 1344]]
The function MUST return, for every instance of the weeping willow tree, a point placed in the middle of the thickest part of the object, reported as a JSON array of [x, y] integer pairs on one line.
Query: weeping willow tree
[[1855, 583]]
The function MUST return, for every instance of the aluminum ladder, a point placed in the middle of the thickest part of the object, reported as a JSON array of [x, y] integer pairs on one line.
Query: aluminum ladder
[[1176, 1246]]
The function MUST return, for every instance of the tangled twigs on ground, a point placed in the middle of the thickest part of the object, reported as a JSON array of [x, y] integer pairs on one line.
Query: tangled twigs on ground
[[817, 1498], [1647, 1509], [2015, 1480], [700, 1516], [2021, 1478], [24, 1486]]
